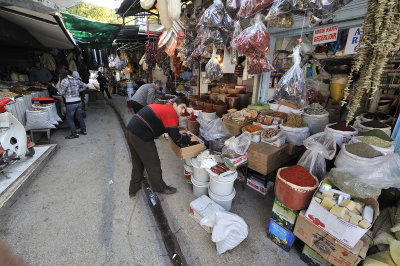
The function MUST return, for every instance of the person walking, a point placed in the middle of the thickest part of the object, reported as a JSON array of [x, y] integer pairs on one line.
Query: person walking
[[70, 89], [149, 123], [103, 83], [145, 95], [113, 82]]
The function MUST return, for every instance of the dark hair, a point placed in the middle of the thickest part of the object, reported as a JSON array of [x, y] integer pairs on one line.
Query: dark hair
[[157, 82], [181, 100]]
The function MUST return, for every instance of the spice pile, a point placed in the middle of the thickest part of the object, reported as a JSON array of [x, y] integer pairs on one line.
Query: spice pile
[[36, 109], [315, 109], [294, 120], [371, 140], [374, 124], [185, 114], [378, 133], [219, 168], [220, 103], [19, 90], [208, 110], [252, 128], [5, 94], [198, 107], [362, 150], [270, 133], [341, 126], [193, 117], [297, 175]]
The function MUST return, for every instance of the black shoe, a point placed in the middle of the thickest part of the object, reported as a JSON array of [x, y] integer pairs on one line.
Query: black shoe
[[72, 136], [82, 133], [133, 192], [168, 190]]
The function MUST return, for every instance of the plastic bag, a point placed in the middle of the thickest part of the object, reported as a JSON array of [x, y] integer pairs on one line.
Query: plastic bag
[[213, 129], [259, 64], [320, 146], [232, 7], [213, 15], [292, 86], [295, 135], [250, 7], [321, 10], [38, 119], [317, 91], [278, 15], [229, 229], [254, 40], [213, 68], [242, 143], [316, 123], [346, 159]]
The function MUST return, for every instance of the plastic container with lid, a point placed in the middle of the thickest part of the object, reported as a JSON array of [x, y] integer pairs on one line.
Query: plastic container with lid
[[222, 185], [199, 188], [224, 201]]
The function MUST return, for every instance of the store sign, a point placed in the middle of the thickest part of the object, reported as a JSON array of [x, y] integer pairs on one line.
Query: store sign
[[326, 34], [353, 40]]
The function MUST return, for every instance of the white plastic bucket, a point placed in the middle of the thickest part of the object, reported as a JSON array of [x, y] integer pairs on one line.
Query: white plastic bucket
[[341, 137], [199, 188], [224, 201], [222, 186], [188, 161], [200, 174]]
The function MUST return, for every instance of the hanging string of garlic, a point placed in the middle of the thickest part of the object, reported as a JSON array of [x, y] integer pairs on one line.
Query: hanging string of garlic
[[380, 36]]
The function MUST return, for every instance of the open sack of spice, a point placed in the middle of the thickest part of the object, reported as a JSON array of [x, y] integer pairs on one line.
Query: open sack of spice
[[378, 144], [254, 40], [295, 129], [320, 147], [292, 86], [365, 180]]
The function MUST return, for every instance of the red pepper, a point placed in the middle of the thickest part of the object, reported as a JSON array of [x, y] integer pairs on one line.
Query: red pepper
[[298, 175]]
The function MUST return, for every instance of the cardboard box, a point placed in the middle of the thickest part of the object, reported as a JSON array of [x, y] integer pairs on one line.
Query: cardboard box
[[327, 246], [239, 160], [312, 258], [201, 207], [259, 186], [188, 152], [235, 128], [345, 232], [265, 158], [283, 215], [280, 236]]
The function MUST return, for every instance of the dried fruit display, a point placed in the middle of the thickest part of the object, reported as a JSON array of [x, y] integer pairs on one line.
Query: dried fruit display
[[241, 116]]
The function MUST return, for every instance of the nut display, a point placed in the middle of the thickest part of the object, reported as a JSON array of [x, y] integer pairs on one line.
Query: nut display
[[270, 133]]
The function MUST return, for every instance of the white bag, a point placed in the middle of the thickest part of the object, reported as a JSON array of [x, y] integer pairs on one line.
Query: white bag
[[342, 137], [361, 128], [147, 4], [38, 120], [316, 123], [53, 119], [229, 230], [295, 135], [285, 109], [384, 151], [346, 159], [174, 9], [278, 140], [320, 146]]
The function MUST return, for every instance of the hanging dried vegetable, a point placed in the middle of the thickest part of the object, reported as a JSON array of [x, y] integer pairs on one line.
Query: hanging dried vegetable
[[380, 36], [151, 55], [259, 64], [250, 7]]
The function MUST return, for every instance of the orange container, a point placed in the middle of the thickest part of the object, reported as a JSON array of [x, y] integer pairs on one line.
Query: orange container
[[293, 196]]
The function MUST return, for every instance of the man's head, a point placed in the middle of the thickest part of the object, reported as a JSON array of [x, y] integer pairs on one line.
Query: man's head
[[180, 105], [75, 74], [37, 64], [158, 84]]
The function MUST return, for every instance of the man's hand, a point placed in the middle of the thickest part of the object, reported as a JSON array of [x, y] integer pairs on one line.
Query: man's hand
[[193, 138], [182, 132]]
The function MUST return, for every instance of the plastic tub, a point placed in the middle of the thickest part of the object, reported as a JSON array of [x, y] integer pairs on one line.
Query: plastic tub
[[222, 186], [199, 174], [199, 188], [224, 201]]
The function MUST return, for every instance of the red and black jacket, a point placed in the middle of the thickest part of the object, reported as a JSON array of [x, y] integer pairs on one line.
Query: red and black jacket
[[154, 120]]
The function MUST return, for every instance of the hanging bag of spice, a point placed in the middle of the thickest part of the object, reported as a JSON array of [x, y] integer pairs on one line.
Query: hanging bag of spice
[[254, 40], [213, 68], [259, 64], [250, 7], [279, 16], [295, 186], [292, 86], [320, 147]]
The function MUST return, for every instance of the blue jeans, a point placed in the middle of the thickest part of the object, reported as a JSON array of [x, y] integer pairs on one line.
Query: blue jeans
[[73, 109]]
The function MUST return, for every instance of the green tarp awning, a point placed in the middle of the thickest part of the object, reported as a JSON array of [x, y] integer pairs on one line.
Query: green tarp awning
[[91, 33]]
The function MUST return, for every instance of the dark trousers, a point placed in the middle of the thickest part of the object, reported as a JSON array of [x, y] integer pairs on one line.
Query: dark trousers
[[114, 91], [136, 106], [72, 111], [103, 89], [144, 156]]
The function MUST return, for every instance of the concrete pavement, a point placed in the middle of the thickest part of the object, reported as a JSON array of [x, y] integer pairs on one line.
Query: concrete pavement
[[77, 210]]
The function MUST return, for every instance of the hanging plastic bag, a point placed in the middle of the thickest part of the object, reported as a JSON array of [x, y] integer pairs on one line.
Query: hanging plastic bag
[[292, 86], [254, 40], [213, 129], [320, 146], [250, 7], [213, 15], [232, 7], [259, 64], [279, 16], [213, 68], [229, 229]]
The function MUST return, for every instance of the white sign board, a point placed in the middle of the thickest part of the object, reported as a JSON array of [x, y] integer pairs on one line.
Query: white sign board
[[353, 40], [325, 34]]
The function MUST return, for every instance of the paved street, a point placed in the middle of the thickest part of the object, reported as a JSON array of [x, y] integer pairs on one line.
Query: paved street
[[77, 210]]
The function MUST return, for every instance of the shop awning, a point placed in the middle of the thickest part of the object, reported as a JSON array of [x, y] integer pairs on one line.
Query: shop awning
[[48, 30], [43, 6], [91, 33]]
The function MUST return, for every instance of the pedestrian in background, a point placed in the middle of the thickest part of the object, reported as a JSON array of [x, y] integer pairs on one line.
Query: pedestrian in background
[[113, 83], [145, 95], [70, 89], [103, 84]]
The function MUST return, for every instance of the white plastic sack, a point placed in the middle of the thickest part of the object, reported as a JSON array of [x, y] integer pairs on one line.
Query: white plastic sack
[[316, 123], [284, 109], [342, 137], [346, 159], [239, 145], [212, 129], [51, 113], [229, 230], [361, 128], [320, 146], [295, 135], [38, 120], [147, 4], [384, 151]]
